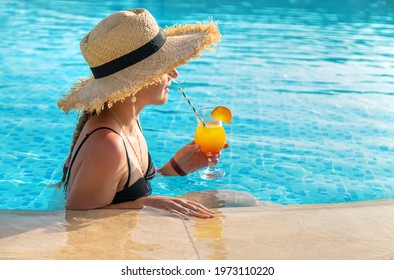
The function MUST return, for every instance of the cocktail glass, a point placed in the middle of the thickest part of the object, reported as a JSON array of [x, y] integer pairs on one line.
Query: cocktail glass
[[211, 137]]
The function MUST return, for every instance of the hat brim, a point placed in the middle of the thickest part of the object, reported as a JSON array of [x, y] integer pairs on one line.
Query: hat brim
[[184, 42]]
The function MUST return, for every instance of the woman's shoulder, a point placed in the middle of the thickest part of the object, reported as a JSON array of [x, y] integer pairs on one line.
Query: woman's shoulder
[[105, 142]]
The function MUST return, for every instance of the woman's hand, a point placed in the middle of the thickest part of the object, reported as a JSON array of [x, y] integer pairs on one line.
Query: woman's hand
[[190, 158], [178, 206]]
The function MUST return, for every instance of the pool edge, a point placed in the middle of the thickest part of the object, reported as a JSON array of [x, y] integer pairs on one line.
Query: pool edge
[[356, 230]]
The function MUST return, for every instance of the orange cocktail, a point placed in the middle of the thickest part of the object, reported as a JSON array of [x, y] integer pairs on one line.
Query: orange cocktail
[[211, 137]]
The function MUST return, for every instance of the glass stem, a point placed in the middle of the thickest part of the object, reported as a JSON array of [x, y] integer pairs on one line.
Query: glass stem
[[211, 172], [211, 165]]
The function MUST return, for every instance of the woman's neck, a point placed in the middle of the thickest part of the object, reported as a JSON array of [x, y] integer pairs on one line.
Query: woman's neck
[[122, 112]]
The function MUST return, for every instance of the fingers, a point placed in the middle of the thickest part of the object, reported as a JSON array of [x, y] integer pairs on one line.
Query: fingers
[[191, 148], [180, 207], [180, 214], [186, 213], [193, 145], [195, 148], [215, 159], [191, 208], [201, 208]]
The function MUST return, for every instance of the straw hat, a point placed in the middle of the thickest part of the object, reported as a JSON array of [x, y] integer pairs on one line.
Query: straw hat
[[127, 51]]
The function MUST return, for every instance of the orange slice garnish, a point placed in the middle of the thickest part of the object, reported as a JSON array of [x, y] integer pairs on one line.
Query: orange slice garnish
[[222, 113]]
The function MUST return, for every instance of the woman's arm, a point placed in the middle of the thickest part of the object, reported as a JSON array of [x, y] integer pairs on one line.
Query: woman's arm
[[173, 205], [98, 173], [189, 159]]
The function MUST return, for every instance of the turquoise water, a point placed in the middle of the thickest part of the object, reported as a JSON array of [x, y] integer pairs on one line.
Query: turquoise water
[[310, 85]]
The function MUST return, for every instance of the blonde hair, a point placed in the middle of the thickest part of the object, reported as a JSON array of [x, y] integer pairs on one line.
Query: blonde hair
[[78, 128]]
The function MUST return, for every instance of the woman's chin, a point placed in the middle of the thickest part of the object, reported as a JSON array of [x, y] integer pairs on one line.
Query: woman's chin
[[162, 101], [165, 99]]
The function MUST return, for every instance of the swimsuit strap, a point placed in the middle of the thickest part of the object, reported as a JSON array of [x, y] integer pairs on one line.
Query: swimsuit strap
[[80, 146]]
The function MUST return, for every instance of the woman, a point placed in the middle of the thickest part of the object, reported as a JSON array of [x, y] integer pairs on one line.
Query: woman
[[133, 63]]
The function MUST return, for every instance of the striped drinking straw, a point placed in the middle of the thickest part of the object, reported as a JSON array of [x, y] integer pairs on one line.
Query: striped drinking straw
[[191, 105]]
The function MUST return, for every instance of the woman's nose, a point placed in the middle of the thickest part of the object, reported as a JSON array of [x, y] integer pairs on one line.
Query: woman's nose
[[173, 74]]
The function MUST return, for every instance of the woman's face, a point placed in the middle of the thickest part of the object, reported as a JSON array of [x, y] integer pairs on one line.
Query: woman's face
[[157, 94]]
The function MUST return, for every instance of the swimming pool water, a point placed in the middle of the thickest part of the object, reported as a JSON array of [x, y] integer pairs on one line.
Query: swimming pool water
[[310, 85]]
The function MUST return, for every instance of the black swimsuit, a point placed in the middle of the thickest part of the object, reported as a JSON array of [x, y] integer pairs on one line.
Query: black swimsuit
[[140, 188]]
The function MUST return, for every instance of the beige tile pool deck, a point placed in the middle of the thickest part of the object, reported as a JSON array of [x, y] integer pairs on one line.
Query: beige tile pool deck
[[363, 230]]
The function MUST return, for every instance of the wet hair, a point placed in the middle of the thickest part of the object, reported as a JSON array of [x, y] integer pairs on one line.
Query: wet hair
[[78, 128]]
